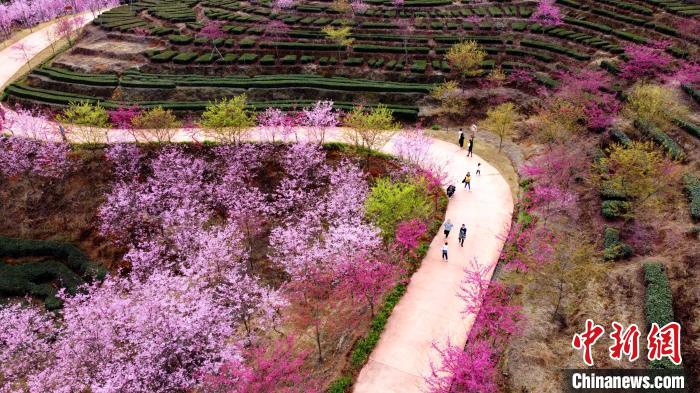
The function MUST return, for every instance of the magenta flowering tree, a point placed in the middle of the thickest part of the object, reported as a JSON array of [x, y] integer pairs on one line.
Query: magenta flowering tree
[[646, 61], [464, 370], [547, 13], [686, 72], [367, 278], [276, 30], [212, 31], [408, 235], [591, 91], [267, 368], [317, 119], [123, 117], [397, 3]]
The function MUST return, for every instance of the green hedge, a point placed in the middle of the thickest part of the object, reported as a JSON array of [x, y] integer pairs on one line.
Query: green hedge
[[178, 39], [267, 60], [658, 303], [70, 269], [692, 189], [691, 128], [658, 299], [612, 209], [555, 48], [693, 92], [185, 58], [674, 150], [614, 248], [620, 137], [107, 80]]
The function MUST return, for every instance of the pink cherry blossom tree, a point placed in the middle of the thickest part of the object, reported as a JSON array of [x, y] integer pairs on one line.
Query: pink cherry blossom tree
[[359, 7], [274, 122], [412, 145], [317, 119]]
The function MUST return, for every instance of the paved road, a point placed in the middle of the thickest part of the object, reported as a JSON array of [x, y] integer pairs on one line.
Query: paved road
[[14, 57], [430, 311]]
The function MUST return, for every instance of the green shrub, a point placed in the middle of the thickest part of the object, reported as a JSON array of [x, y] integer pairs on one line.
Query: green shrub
[[267, 60], [614, 208], [178, 39], [185, 58], [340, 385], [694, 93], [205, 58], [164, 57], [692, 188], [70, 269], [620, 137], [289, 59], [247, 58], [691, 128], [614, 248], [674, 150], [391, 202]]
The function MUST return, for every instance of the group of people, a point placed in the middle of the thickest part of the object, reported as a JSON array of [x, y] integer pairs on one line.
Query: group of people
[[447, 229], [467, 185], [467, 180]]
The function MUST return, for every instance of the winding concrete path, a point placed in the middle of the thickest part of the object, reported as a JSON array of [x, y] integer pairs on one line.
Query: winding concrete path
[[14, 57], [430, 311]]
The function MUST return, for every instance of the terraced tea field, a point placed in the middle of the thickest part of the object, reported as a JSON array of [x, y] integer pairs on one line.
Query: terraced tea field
[[282, 57]]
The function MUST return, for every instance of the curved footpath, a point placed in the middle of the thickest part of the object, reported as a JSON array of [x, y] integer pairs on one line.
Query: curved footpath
[[13, 58], [430, 311]]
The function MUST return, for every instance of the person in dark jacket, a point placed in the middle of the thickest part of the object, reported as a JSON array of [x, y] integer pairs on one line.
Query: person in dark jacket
[[462, 235], [461, 139]]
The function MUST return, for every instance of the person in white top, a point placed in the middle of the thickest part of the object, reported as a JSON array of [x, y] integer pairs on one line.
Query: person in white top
[[444, 252]]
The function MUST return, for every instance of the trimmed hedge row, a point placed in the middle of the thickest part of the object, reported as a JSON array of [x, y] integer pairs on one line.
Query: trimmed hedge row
[[674, 150], [693, 92], [614, 248], [108, 80], [555, 48], [620, 137], [612, 209], [61, 98], [692, 188], [691, 128], [33, 278], [74, 258], [658, 303]]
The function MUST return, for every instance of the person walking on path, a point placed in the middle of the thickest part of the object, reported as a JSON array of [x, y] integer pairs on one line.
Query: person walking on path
[[448, 227], [444, 252], [467, 181], [478, 168], [461, 139], [462, 235], [470, 147]]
